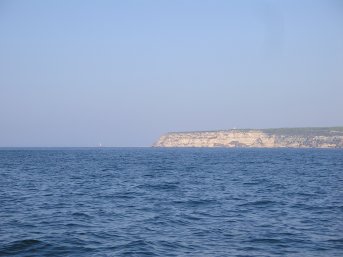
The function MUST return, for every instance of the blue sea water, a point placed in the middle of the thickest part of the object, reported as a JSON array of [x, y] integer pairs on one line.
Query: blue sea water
[[171, 202]]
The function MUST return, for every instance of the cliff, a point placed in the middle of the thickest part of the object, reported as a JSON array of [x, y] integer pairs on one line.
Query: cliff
[[268, 138]]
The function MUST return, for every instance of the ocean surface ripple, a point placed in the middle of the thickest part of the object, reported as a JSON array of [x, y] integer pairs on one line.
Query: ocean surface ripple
[[171, 202]]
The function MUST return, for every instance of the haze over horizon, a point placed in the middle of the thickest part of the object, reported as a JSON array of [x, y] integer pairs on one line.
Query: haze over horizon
[[121, 73]]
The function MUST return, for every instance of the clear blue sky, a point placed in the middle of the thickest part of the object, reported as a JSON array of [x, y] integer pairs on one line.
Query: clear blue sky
[[77, 73]]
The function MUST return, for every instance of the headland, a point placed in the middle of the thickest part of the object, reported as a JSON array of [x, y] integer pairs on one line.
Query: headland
[[320, 137]]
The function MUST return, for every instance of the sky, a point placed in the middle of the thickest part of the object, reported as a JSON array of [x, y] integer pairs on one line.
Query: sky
[[122, 73]]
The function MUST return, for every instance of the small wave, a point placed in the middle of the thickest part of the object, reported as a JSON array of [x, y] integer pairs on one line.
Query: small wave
[[137, 248], [81, 214], [266, 241], [191, 217], [251, 183], [126, 196], [196, 203], [258, 203], [77, 225], [108, 169], [18, 246], [339, 240], [162, 187], [29, 247]]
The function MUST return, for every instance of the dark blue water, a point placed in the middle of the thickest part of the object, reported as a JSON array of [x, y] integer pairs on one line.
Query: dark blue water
[[171, 202]]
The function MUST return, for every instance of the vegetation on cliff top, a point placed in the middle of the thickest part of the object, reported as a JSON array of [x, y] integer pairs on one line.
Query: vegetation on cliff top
[[309, 131]]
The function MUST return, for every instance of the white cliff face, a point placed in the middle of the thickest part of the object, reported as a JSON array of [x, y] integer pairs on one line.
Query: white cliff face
[[252, 138]]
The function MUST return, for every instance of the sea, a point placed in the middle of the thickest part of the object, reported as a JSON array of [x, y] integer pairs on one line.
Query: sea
[[171, 202]]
